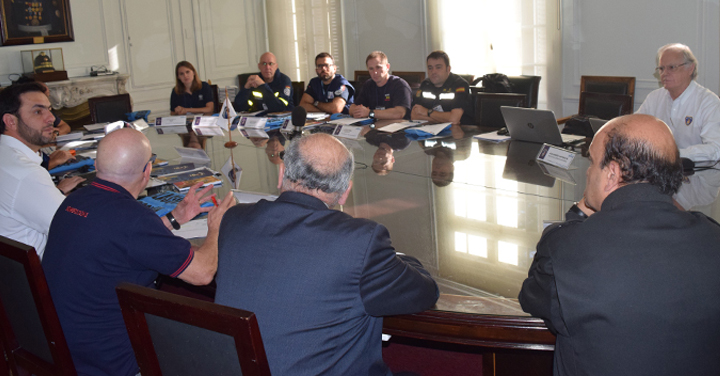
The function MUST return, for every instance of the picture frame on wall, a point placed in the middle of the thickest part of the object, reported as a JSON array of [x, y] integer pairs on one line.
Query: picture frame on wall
[[35, 21]]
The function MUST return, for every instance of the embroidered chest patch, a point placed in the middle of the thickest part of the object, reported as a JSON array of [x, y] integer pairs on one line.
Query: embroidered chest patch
[[688, 120]]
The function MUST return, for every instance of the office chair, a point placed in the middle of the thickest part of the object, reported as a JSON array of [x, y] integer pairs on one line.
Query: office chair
[[30, 331], [605, 106], [242, 79], [177, 335], [109, 108], [528, 85], [604, 84], [487, 107]]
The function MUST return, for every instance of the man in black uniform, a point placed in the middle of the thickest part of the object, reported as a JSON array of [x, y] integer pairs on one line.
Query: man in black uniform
[[443, 97], [268, 90], [383, 96], [328, 92]]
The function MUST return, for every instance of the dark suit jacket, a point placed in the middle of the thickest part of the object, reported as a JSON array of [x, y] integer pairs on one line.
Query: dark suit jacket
[[319, 282], [632, 290]]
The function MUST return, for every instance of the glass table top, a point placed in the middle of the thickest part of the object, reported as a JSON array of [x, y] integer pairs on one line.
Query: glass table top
[[471, 211]]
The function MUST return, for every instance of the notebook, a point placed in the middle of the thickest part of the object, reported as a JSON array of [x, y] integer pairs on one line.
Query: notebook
[[529, 124]]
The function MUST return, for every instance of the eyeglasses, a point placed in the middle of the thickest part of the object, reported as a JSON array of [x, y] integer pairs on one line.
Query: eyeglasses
[[151, 161], [670, 68], [322, 66], [266, 64]]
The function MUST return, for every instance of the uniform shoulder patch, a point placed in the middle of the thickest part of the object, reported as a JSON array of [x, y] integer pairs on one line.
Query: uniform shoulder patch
[[340, 90], [287, 91]]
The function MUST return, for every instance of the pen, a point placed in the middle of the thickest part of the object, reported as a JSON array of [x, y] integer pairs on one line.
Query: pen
[[214, 200]]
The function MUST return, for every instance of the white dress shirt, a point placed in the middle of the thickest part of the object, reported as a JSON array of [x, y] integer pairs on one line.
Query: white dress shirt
[[28, 197], [694, 118]]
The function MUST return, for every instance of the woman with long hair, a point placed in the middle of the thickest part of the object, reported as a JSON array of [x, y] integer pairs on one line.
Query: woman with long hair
[[190, 95]]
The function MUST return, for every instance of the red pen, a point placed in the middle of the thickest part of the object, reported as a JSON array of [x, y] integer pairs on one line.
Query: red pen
[[214, 200]]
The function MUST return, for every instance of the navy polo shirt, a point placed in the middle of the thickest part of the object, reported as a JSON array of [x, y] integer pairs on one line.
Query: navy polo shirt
[[338, 87], [198, 98], [101, 236], [395, 93]]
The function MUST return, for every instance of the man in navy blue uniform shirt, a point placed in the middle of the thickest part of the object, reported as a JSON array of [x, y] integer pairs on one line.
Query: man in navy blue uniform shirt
[[328, 92], [443, 96], [101, 236], [383, 96], [268, 90]]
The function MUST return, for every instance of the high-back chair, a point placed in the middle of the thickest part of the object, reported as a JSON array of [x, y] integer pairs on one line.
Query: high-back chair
[[109, 108], [604, 105], [177, 335], [608, 84], [30, 331], [528, 85], [487, 107]]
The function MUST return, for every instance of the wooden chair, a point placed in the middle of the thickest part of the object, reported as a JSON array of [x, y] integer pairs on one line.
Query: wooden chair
[[528, 85], [298, 91], [242, 79], [109, 108], [604, 84], [608, 84], [604, 105], [414, 79], [177, 335], [30, 331], [487, 107]]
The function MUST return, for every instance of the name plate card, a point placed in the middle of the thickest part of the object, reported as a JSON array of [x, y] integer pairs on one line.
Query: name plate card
[[556, 156], [347, 131], [253, 122]]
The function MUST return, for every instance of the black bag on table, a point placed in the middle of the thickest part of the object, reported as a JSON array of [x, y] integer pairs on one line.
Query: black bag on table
[[496, 83], [579, 125]]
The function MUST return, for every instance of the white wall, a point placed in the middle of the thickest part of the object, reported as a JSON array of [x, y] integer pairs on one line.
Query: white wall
[[621, 38], [145, 39]]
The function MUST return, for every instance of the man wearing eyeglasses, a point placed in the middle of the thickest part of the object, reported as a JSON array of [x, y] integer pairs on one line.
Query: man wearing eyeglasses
[[328, 92], [268, 90], [691, 111]]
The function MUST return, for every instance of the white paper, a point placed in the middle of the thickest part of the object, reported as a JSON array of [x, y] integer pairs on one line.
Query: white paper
[[69, 137], [492, 136], [556, 156], [197, 228], [316, 115], [170, 121], [394, 127], [78, 145], [115, 125], [433, 128], [208, 131], [139, 124], [248, 197], [94, 127], [204, 121], [347, 121]]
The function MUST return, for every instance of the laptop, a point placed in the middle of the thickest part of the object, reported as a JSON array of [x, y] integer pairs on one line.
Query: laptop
[[529, 124]]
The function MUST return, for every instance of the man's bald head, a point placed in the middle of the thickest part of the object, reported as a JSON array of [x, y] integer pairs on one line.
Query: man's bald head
[[318, 162], [644, 148], [122, 156]]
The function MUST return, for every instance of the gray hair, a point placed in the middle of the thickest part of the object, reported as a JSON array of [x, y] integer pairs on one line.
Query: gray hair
[[301, 169], [687, 55]]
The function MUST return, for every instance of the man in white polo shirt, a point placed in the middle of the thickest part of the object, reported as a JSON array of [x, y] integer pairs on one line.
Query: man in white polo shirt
[[691, 111], [28, 197]]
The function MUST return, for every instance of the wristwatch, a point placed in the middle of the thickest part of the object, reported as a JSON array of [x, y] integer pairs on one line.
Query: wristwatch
[[175, 224], [316, 103], [430, 111], [371, 115]]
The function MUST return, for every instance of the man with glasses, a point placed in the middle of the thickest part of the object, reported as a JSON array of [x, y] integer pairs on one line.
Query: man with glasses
[[268, 90], [328, 92], [29, 198], [691, 111], [102, 235]]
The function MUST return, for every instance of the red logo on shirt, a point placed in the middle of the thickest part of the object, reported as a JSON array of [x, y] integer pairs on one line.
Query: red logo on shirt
[[75, 211]]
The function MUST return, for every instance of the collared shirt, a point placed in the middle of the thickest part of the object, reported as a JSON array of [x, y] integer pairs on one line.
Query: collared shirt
[[395, 93], [338, 87], [694, 118], [196, 99], [28, 197]]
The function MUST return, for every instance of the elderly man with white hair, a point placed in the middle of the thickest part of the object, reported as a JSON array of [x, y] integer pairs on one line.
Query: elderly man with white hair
[[691, 111]]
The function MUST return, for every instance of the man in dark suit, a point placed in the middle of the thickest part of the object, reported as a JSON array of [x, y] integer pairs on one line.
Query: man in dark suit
[[629, 283], [318, 280]]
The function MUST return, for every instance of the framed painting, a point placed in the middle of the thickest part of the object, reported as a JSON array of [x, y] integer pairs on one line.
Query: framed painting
[[35, 21]]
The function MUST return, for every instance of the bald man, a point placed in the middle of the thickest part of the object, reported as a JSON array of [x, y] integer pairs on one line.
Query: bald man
[[268, 90], [691, 111], [629, 282], [102, 235], [318, 280]]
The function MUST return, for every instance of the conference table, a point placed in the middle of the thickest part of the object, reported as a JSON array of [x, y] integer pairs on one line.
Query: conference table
[[471, 211]]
